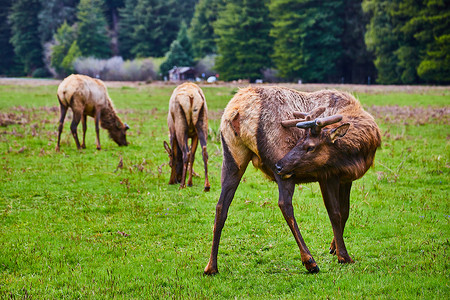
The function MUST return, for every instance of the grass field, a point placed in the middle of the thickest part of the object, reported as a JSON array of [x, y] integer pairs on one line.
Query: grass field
[[73, 225]]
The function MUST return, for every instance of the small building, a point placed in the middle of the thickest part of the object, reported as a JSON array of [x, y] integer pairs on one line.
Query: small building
[[181, 74]]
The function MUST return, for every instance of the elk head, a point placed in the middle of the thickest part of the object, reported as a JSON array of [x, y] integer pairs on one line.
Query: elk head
[[316, 148], [119, 133]]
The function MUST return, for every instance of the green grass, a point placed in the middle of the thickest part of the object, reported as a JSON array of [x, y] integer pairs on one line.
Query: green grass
[[72, 225]]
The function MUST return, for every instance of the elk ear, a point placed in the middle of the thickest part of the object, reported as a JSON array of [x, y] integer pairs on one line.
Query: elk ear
[[167, 147], [339, 132]]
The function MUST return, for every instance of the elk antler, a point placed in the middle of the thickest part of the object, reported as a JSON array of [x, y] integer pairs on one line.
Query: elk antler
[[318, 123], [302, 116], [311, 115], [290, 123]]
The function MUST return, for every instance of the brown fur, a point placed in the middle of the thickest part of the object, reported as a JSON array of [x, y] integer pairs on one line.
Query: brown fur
[[187, 119], [334, 156], [88, 96]]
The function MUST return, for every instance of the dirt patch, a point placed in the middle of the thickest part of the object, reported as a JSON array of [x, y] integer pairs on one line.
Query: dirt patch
[[411, 115], [22, 115], [308, 87], [387, 114]]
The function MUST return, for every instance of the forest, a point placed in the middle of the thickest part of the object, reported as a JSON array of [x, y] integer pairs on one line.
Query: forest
[[335, 41]]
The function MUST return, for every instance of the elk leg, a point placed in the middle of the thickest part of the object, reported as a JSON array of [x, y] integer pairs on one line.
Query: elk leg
[[83, 123], [73, 128], [202, 138], [61, 124], [183, 144], [194, 144], [330, 193], [231, 176], [286, 191], [344, 207], [97, 129], [174, 160]]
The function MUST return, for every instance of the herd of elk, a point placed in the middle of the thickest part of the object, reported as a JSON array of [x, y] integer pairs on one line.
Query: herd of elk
[[292, 137]]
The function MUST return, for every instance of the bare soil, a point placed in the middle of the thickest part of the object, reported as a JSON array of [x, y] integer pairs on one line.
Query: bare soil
[[307, 87]]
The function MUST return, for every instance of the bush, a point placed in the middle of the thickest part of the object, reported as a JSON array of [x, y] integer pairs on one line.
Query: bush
[[72, 55], [206, 66], [89, 66], [271, 75], [116, 69], [41, 73]]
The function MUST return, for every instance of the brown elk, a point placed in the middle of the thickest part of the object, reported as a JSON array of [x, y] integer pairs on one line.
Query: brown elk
[[187, 119], [336, 145], [88, 96]]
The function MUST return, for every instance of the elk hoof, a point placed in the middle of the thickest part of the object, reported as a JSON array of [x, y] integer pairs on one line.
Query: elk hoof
[[207, 188], [345, 260], [311, 266], [332, 251], [210, 271], [314, 270]]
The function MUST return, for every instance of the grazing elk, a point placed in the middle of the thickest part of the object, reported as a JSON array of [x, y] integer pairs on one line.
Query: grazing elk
[[335, 146], [88, 96], [187, 118]]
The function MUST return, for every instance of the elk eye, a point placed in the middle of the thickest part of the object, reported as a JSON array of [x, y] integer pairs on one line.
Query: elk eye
[[310, 148]]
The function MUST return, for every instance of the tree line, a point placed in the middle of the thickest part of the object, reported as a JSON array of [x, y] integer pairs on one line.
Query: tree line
[[344, 41]]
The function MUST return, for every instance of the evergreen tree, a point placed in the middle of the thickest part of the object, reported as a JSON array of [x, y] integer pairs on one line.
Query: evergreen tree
[[201, 31], [112, 8], [73, 53], [307, 37], [53, 14], [7, 63], [180, 53], [176, 57], [383, 40], [431, 28], [356, 63], [64, 37], [243, 42], [185, 42], [408, 38], [112, 17], [156, 26], [185, 9], [126, 28], [25, 35], [92, 32]]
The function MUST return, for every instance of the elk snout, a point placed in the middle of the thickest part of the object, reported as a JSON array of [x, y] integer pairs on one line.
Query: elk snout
[[279, 168]]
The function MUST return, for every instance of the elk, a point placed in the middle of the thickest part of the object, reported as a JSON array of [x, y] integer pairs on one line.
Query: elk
[[296, 137], [88, 96], [187, 119]]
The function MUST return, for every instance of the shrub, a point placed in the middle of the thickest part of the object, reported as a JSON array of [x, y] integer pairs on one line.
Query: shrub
[[116, 69], [271, 75], [41, 73], [89, 66], [206, 66], [72, 55]]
